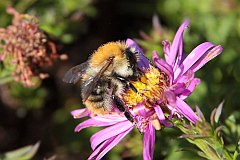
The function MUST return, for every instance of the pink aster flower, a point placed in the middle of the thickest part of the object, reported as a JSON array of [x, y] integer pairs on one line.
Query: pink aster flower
[[175, 81], [117, 128], [161, 92], [180, 71]]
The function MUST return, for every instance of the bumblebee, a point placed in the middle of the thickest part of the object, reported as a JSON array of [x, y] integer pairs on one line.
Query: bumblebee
[[105, 76]]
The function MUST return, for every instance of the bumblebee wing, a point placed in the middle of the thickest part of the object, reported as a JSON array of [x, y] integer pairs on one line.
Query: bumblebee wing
[[87, 88], [92, 82], [74, 74]]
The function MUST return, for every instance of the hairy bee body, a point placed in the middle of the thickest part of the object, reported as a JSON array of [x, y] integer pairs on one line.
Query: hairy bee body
[[105, 75], [100, 100]]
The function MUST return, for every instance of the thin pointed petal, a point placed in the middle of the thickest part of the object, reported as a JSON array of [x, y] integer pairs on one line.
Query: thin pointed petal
[[142, 61], [110, 118], [207, 57], [193, 57], [185, 78], [132, 43], [109, 132], [80, 113], [171, 97], [162, 65], [179, 55], [140, 110], [176, 48], [149, 142], [161, 116], [185, 110], [100, 148], [178, 88], [190, 88], [107, 146], [90, 123], [166, 49], [113, 143]]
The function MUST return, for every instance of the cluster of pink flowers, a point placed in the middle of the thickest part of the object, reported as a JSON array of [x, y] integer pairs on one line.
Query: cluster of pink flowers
[[179, 70]]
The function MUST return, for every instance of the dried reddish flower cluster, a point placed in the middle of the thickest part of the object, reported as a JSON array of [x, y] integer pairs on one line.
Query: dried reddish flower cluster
[[27, 47]]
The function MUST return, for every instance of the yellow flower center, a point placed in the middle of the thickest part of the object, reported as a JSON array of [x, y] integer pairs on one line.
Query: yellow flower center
[[150, 87]]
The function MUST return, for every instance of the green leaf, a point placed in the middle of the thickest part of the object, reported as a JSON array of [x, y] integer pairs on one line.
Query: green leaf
[[202, 154], [24, 153], [218, 112], [4, 80], [236, 155]]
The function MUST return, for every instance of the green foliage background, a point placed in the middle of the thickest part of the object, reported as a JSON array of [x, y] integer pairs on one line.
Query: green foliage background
[[78, 27]]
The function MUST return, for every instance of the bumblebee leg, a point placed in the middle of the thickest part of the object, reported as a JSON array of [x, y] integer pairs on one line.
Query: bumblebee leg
[[129, 84], [129, 117], [121, 108]]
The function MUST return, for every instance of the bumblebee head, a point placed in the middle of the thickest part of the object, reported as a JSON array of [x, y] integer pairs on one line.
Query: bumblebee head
[[124, 61]]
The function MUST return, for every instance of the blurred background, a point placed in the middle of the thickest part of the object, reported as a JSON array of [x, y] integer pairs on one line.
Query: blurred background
[[78, 27]]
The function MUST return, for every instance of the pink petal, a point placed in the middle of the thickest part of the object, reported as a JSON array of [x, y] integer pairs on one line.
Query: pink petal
[[207, 57], [181, 82], [171, 97], [109, 132], [140, 110], [185, 78], [185, 110], [166, 49], [190, 88], [194, 56], [110, 118], [178, 88], [142, 61], [92, 122], [80, 113], [177, 45], [132, 43], [161, 116], [107, 146], [100, 148], [179, 55], [162, 65], [149, 142], [172, 111]]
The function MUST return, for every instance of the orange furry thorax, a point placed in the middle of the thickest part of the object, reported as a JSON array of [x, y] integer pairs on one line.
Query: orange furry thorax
[[111, 49]]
